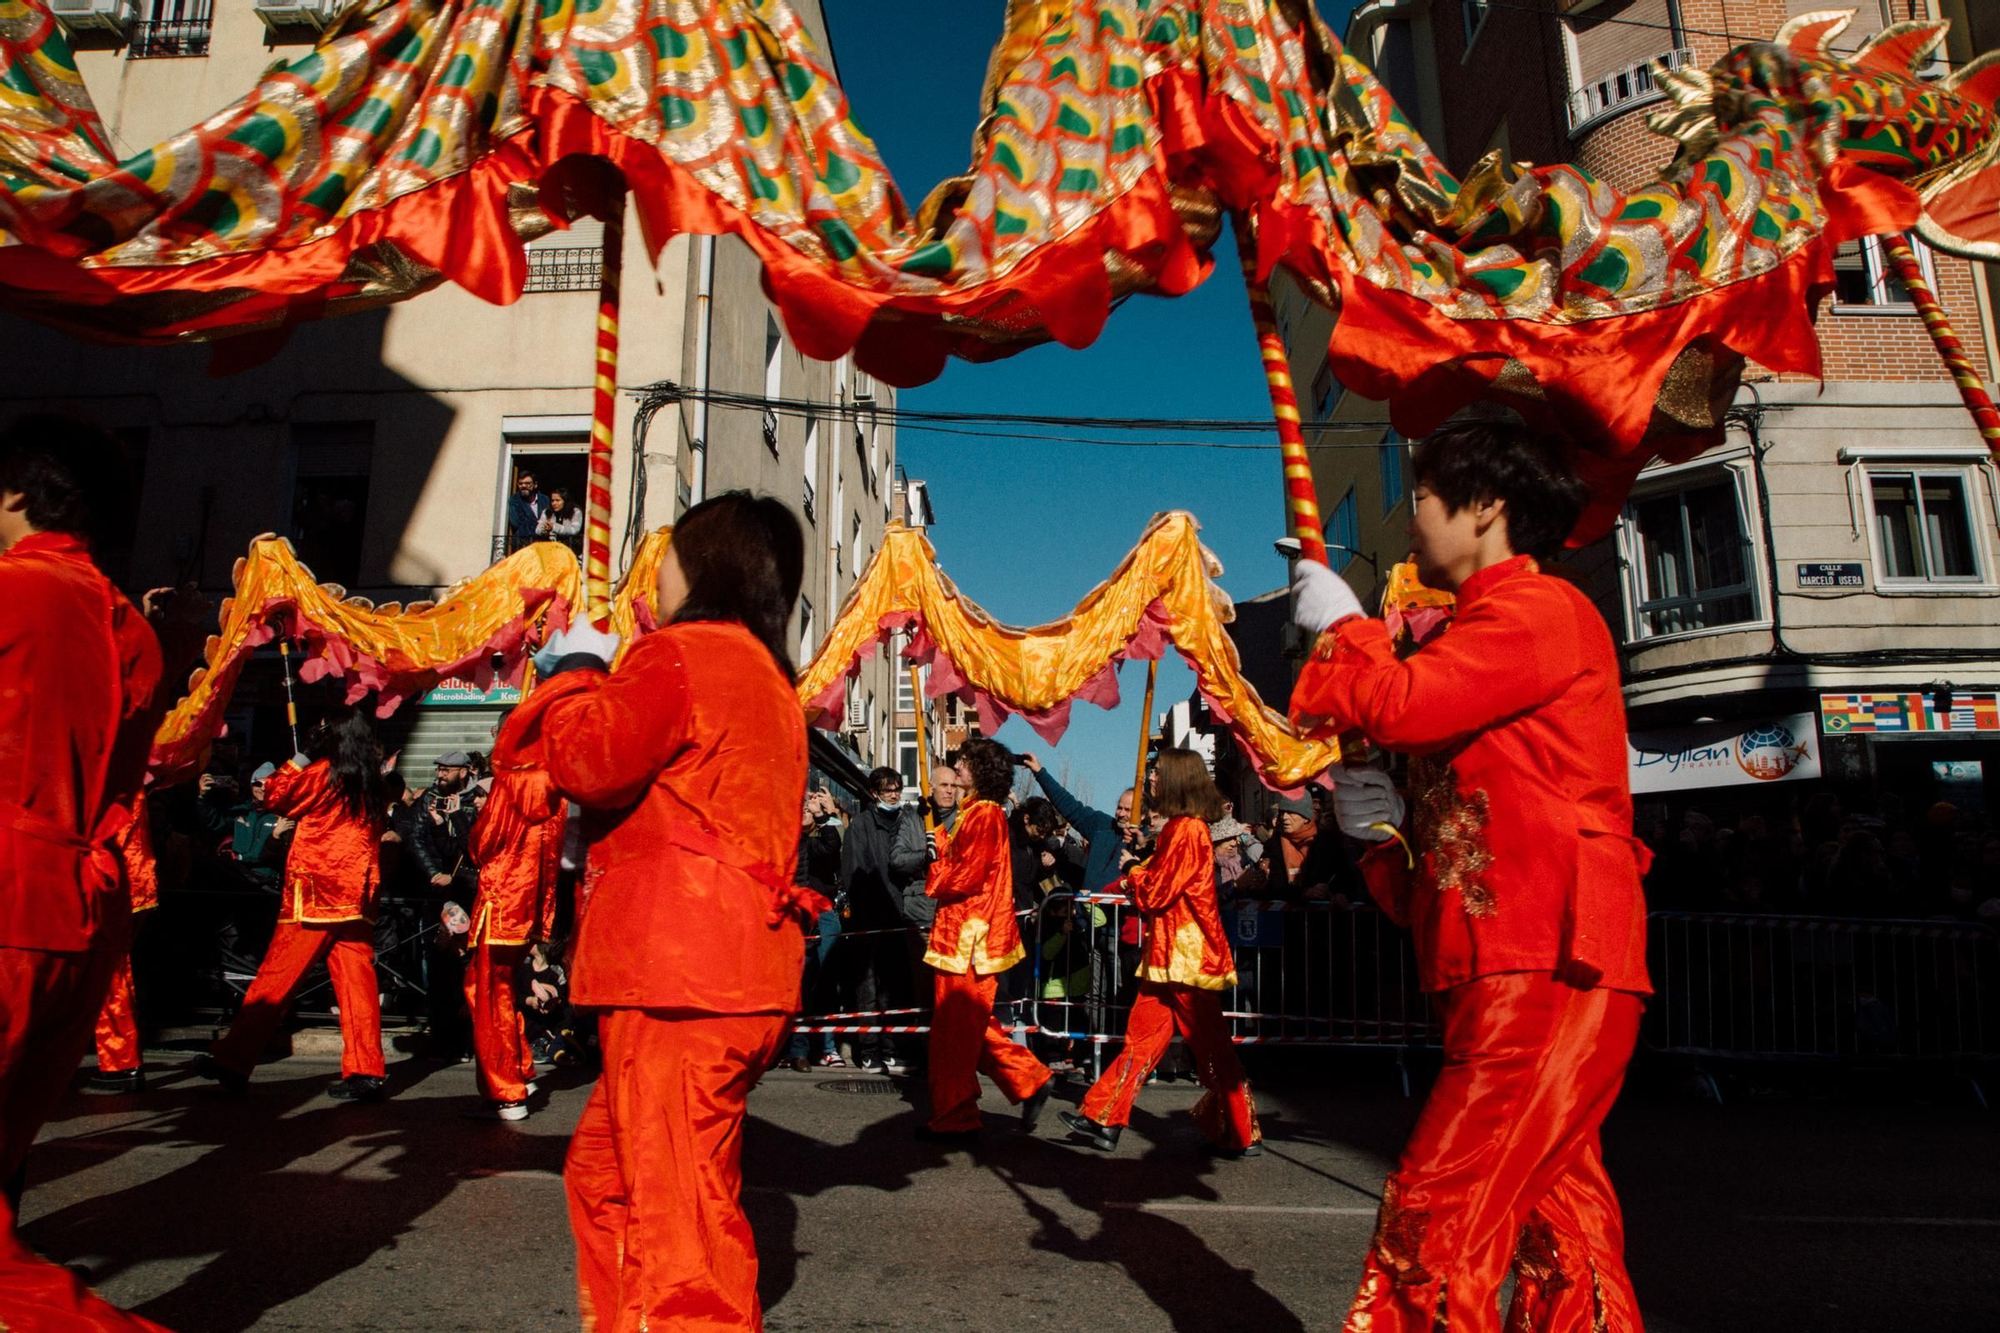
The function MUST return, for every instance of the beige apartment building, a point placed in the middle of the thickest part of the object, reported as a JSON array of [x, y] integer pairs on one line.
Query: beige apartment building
[[385, 444], [1829, 574]]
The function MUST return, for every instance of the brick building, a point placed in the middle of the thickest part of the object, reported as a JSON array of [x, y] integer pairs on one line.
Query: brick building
[[1843, 540]]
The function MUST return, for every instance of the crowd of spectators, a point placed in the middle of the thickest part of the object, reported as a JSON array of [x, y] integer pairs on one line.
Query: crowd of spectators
[[1869, 853]]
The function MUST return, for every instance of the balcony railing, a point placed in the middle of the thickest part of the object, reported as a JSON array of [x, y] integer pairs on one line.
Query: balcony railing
[[572, 268], [1621, 90], [156, 38]]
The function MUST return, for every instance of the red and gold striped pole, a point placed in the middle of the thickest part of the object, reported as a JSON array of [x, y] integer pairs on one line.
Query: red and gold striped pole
[[603, 418], [1904, 260], [1301, 501]]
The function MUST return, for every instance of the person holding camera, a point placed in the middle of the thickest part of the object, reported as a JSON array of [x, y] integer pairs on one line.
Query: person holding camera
[[440, 827], [819, 870]]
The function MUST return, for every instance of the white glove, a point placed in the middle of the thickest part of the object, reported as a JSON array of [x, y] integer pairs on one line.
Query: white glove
[[580, 637], [1320, 598], [1363, 799]]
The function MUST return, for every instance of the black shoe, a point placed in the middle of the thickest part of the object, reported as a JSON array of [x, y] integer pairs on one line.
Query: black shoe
[[356, 1088], [208, 1067], [1031, 1109], [946, 1138], [1096, 1135], [1234, 1154], [125, 1081]]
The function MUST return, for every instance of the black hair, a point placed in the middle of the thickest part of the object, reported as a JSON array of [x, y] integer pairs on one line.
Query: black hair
[[347, 742], [880, 776], [1470, 462], [744, 557], [1038, 811], [992, 767], [73, 476], [562, 493]]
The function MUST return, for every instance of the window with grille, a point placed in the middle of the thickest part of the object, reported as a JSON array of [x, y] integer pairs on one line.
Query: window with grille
[[1611, 51], [172, 28], [567, 261], [1923, 527], [1693, 560]]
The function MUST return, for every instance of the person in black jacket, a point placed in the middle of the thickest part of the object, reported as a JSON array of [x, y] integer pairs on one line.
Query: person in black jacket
[[819, 870], [883, 855], [437, 829]]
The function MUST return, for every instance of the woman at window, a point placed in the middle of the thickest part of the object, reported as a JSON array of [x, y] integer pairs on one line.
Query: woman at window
[[563, 522]]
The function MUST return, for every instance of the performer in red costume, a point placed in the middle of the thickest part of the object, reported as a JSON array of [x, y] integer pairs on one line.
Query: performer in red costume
[[326, 910], [1186, 966], [517, 845], [1526, 907], [690, 763], [973, 940], [79, 687], [119, 1053]]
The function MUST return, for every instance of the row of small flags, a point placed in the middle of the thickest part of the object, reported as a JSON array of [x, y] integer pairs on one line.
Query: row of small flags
[[1844, 714]]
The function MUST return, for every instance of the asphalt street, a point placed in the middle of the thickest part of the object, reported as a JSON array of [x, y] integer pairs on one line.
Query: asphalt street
[[1799, 1209]]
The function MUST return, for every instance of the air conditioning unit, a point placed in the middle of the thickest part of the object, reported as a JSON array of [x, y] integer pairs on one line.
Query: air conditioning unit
[[79, 16], [315, 14], [857, 713]]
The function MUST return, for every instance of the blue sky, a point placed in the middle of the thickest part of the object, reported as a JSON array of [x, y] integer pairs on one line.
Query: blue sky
[[1026, 528]]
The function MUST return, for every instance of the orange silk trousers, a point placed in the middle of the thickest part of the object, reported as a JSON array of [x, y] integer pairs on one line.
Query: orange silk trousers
[[118, 1048], [1160, 1010], [655, 1173], [966, 1041], [48, 1002], [499, 1034], [1504, 1168], [349, 950]]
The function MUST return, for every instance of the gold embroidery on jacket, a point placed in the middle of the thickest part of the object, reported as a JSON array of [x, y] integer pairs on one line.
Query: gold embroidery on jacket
[[1451, 832], [1184, 964], [1399, 1238]]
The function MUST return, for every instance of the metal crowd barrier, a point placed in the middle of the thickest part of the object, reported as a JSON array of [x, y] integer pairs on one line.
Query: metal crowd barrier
[[1793, 988], [1308, 974]]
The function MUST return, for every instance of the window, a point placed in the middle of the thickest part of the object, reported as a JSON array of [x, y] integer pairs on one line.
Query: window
[[1327, 393], [811, 467], [906, 692], [1863, 275], [906, 758], [1475, 12], [330, 466], [1923, 527], [1693, 566], [554, 449], [833, 531], [774, 358], [567, 261], [173, 28], [1394, 461], [1342, 534], [806, 642], [1611, 57], [855, 562]]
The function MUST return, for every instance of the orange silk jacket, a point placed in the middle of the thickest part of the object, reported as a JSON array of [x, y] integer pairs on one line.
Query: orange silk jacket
[[690, 763], [517, 842], [1520, 804], [973, 882], [334, 867], [79, 680], [1175, 890]]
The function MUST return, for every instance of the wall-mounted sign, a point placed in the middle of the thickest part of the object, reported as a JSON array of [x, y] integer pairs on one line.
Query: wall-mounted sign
[[1830, 575], [455, 693], [1724, 754], [1907, 714]]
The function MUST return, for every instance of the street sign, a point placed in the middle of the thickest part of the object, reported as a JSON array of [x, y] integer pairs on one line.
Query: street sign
[[1830, 575]]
